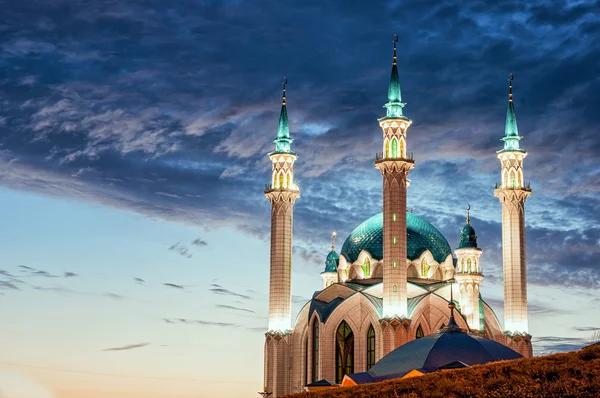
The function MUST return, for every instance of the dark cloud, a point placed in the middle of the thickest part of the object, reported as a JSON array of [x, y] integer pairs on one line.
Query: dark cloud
[[55, 289], [127, 347], [231, 307], [70, 275], [200, 322], [8, 285], [199, 242], [139, 281], [181, 250], [148, 109], [174, 286], [586, 328], [544, 345], [114, 296], [218, 289]]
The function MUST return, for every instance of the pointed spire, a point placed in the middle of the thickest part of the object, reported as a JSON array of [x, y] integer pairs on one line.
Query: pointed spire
[[333, 235], [283, 140], [468, 218], [511, 132], [394, 105], [452, 325], [468, 237]]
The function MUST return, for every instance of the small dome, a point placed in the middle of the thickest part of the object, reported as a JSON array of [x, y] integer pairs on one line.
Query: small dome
[[421, 236], [468, 238], [333, 256], [441, 350], [332, 261]]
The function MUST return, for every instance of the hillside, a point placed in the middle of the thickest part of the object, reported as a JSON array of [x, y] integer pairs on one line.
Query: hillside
[[574, 374]]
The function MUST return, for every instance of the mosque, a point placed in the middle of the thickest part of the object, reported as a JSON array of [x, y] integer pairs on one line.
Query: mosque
[[392, 281]]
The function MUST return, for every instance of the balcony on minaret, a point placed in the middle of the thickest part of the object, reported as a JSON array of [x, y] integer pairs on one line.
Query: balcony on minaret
[[381, 156], [526, 186]]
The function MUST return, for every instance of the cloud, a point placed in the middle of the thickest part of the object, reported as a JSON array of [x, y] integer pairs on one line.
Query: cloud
[[186, 141], [181, 250], [113, 295], [70, 275], [231, 307], [200, 322], [544, 345], [218, 289], [586, 328], [174, 286], [127, 347], [199, 242], [139, 281], [7, 285]]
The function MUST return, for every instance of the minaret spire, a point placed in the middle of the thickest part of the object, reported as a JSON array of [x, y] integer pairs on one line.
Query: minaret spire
[[511, 132], [394, 105], [333, 235], [283, 140], [468, 218]]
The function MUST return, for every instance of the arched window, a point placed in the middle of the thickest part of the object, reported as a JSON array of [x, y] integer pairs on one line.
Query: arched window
[[513, 178], [394, 148], [344, 352], [315, 351], [462, 265], [367, 267], [401, 148], [520, 177], [387, 149], [424, 268], [468, 265], [281, 180], [370, 347], [419, 333]]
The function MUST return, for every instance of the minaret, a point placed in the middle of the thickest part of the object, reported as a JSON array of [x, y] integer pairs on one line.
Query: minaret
[[394, 164], [282, 193], [469, 275], [330, 275], [512, 192]]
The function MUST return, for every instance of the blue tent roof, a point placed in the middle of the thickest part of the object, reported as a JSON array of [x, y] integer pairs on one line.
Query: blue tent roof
[[437, 351], [421, 236]]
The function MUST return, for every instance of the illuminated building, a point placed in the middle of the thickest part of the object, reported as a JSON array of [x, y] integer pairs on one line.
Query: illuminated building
[[389, 283]]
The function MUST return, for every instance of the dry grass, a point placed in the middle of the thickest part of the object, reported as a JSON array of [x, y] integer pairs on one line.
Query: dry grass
[[570, 375]]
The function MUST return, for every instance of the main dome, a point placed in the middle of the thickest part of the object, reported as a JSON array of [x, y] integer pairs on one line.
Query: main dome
[[420, 233]]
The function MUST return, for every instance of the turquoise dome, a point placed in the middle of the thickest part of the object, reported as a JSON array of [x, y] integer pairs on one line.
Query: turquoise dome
[[468, 238], [332, 256], [420, 233], [331, 262]]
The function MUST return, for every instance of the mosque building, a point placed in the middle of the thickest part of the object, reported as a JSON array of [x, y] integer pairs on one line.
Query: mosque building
[[391, 282]]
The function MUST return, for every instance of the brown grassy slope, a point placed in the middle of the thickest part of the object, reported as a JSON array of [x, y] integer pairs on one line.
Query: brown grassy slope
[[574, 374]]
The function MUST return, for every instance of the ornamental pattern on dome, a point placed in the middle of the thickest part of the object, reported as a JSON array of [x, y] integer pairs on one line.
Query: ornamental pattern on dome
[[421, 236]]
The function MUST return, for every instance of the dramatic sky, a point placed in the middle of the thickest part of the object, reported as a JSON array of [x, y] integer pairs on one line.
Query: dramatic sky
[[133, 140]]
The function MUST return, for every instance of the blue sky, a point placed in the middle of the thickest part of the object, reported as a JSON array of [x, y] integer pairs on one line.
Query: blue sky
[[133, 141]]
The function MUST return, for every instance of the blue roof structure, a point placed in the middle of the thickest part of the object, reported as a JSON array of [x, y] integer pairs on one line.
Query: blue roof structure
[[421, 236], [441, 350]]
